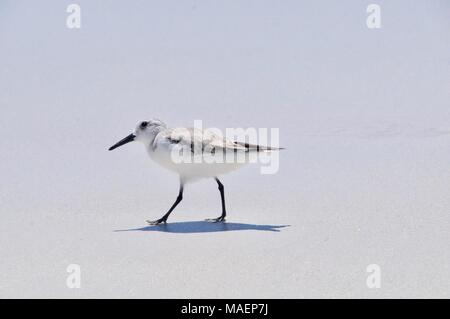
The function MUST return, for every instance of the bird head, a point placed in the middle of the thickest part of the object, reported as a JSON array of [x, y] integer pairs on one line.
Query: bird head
[[144, 132]]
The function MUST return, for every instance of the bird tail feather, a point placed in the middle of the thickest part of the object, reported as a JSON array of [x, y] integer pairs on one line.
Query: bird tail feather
[[258, 148]]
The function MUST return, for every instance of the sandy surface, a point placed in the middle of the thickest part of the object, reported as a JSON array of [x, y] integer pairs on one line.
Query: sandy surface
[[364, 180]]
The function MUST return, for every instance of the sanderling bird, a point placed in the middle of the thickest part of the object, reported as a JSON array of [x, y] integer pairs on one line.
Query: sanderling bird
[[165, 145]]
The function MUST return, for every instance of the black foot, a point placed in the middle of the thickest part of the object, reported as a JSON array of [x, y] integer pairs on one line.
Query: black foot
[[156, 222], [216, 220]]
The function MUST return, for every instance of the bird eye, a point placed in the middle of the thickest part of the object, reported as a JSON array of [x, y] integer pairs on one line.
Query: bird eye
[[143, 125]]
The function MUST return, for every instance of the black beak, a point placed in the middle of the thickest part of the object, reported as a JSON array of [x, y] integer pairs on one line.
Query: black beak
[[128, 139]]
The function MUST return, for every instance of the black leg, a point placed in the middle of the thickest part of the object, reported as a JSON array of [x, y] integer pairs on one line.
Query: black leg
[[222, 197], [164, 218]]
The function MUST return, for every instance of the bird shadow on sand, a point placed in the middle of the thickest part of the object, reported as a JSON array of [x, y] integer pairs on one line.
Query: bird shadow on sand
[[204, 227]]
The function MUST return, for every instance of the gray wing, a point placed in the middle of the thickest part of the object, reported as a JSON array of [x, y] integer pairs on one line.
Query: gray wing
[[200, 141], [197, 141]]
